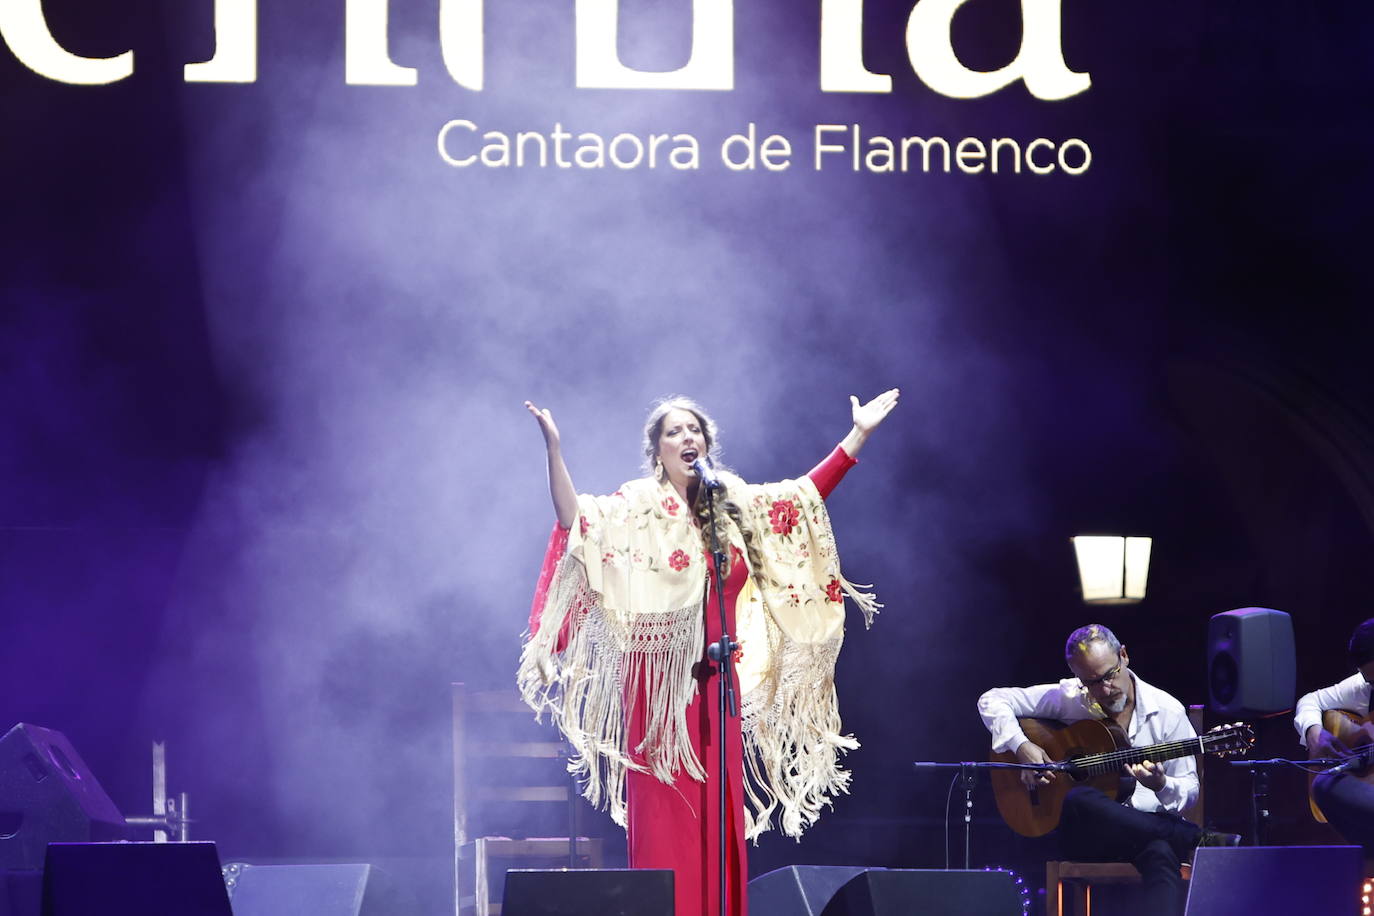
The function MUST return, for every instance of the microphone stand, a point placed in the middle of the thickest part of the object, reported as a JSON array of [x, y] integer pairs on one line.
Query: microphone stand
[[1259, 785], [968, 775], [722, 653]]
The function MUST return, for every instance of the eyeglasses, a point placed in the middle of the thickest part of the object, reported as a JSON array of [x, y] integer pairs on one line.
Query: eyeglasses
[[1097, 681]]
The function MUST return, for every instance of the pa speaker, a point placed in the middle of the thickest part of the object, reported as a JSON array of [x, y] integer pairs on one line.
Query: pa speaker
[[133, 879], [800, 890], [48, 795], [1276, 879], [1251, 666], [310, 890], [588, 892]]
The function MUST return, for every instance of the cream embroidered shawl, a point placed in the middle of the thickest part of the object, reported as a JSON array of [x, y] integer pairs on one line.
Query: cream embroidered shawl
[[628, 598]]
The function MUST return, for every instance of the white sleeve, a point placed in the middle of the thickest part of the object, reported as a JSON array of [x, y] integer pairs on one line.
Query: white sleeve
[[1000, 707], [1180, 788], [1351, 693]]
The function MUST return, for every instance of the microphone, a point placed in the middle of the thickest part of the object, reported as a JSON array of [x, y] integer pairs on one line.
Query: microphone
[[706, 474], [1356, 761]]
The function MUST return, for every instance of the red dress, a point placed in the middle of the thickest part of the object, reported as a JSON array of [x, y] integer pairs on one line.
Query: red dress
[[677, 826]]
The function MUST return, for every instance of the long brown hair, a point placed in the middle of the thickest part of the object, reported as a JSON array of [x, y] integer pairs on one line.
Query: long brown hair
[[653, 428]]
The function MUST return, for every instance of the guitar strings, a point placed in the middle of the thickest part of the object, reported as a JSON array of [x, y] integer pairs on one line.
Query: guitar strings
[[1095, 764], [1113, 760]]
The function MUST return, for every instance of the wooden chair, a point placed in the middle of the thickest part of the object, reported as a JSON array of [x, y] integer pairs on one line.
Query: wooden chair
[[1068, 885], [495, 733]]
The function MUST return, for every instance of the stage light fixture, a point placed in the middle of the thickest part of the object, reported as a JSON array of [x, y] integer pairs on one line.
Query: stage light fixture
[[1112, 569]]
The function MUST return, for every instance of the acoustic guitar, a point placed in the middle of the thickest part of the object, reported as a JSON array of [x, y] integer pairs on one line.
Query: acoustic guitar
[[1352, 730], [1095, 751]]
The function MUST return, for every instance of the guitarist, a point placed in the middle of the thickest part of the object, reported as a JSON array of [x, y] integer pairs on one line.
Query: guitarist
[[1146, 831], [1345, 799]]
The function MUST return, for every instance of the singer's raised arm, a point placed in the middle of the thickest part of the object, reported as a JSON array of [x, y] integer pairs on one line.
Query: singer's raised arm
[[560, 481]]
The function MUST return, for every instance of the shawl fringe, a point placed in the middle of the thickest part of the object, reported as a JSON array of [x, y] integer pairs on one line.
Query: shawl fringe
[[867, 602], [793, 742], [583, 688], [591, 660]]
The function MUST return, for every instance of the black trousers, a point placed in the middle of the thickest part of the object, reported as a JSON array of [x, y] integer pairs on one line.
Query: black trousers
[[1348, 804], [1094, 828]]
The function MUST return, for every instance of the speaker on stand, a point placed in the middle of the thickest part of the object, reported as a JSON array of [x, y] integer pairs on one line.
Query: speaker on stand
[[1251, 664], [1251, 674]]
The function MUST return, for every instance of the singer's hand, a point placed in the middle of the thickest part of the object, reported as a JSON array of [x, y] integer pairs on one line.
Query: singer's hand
[[1030, 752], [546, 426], [867, 417]]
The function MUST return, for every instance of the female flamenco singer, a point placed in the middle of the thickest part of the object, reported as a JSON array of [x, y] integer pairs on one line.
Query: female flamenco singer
[[616, 650]]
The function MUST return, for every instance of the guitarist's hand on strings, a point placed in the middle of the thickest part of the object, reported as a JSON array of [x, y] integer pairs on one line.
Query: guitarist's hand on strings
[[1148, 773], [1030, 752], [1321, 743]]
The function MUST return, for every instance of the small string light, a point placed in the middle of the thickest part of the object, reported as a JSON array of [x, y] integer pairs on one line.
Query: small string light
[[1021, 883]]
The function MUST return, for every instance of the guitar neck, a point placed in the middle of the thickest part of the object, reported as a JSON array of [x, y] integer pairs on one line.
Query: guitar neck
[[1112, 761]]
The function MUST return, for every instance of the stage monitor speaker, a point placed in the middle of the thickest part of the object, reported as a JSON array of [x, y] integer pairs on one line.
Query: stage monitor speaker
[[798, 890], [124, 879], [1276, 879], [813, 890], [343, 889], [1251, 665], [48, 795], [588, 892]]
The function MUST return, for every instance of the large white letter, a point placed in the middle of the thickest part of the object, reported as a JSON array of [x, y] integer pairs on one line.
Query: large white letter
[[1040, 60], [443, 142], [711, 66], [236, 46], [366, 58], [842, 50], [460, 40], [25, 30]]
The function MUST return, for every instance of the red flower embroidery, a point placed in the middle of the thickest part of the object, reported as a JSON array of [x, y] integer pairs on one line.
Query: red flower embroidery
[[679, 560], [832, 591], [584, 525], [784, 516], [671, 506]]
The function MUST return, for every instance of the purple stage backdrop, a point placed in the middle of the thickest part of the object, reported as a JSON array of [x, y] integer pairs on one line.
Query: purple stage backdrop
[[278, 277]]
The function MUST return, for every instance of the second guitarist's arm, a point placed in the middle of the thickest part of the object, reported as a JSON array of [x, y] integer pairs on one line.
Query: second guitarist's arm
[[1351, 693]]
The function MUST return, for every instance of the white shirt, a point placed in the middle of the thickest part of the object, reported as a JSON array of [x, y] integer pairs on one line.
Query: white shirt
[[1158, 718], [1351, 693]]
